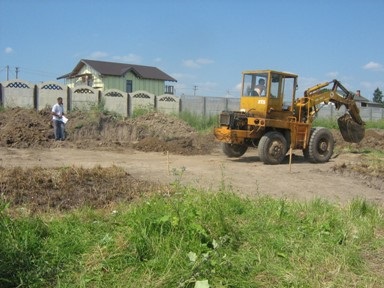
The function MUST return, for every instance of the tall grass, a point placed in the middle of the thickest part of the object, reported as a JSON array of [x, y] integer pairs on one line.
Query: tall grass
[[379, 124], [332, 123], [197, 239], [199, 122], [207, 123]]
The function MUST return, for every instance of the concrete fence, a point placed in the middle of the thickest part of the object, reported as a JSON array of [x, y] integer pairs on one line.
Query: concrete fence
[[18, 93]]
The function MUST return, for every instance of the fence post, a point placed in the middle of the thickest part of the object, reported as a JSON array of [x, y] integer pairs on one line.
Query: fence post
[[36, 98], [69, 99], [204, 106], [1, 95]]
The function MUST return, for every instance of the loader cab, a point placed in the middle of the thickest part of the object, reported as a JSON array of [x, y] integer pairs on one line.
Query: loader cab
[[264, 91]]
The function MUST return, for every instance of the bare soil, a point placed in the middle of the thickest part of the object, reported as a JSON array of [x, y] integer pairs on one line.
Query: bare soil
[[106, 160]]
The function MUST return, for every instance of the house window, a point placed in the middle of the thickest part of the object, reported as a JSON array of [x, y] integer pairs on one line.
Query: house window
[[169, 89], [128, 87]]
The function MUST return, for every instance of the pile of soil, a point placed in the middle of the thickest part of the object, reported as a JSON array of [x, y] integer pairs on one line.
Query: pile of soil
[[373, 139], [27, 128], [40, 189]]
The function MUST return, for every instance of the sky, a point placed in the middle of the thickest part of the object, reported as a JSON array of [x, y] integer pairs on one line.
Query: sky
[[203, 44]]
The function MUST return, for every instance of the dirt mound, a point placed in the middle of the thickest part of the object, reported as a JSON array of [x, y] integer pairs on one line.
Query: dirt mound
[[26, 128], [373, 139], [43, 190]]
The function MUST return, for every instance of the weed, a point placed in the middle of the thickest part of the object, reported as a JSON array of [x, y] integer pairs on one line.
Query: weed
[[193, 238], [142, 110], [200, 123]]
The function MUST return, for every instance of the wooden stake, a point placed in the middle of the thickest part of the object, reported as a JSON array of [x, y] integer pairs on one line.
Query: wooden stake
[[169, 173]]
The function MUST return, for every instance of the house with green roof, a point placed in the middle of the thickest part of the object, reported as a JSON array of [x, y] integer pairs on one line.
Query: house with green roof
[[104, 75]]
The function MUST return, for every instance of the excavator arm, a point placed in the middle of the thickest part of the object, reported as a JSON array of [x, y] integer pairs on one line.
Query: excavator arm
[[350, 124]]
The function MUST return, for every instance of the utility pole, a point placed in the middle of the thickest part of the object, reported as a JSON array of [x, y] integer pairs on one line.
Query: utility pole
[[17, 72], [7, 69], [194, 90]]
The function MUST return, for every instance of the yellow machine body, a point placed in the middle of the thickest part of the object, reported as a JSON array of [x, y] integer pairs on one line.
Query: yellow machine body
[[270, 115]]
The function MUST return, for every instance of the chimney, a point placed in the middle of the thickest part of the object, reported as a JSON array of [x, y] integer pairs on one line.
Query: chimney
[[358, 93]]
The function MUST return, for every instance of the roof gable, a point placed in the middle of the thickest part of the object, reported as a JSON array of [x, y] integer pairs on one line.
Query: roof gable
[[119, 69], [360, 98]]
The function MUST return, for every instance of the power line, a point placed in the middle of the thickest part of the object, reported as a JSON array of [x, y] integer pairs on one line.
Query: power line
[[17, 71], [39, 72]]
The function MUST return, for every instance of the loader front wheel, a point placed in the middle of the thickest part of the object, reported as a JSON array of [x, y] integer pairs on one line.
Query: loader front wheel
[[272, 148], [320, 146], [233, 150]]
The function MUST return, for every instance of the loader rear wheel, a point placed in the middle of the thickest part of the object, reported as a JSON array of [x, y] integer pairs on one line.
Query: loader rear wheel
[[272, 148], [320, 146], [234, 150]]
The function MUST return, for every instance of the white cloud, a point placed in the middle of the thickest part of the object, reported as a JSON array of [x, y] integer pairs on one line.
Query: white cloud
[[8, 50], [158, 59], [373, 66], [238, 87], [184, 76], [98, 55], [197, 63], [130, 58], [204, 61], [333, 74], [190, 64], [207, 85]]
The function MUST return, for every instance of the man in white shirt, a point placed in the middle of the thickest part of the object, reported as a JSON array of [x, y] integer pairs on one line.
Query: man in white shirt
[[58, 120], [260, 88]]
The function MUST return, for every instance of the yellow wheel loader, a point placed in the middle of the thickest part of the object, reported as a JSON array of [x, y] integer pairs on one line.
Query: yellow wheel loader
[[272, 119]]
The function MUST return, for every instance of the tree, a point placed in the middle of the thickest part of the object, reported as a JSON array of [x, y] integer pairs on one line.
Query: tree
[[378, 96]]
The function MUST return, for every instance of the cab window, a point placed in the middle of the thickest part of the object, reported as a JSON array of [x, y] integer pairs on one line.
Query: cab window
[[275, 86], [289, 88], [255, 84]]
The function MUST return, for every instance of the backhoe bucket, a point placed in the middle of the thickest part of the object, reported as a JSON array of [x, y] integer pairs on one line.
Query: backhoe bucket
[[350, 130]]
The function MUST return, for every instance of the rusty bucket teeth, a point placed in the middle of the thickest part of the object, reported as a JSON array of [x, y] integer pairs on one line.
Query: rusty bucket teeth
[[350, 130]]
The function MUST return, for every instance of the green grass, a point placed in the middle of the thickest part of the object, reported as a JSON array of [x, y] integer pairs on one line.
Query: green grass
[[142, 110], [200, 123], [195, 239], [379, 124], [332, 123]]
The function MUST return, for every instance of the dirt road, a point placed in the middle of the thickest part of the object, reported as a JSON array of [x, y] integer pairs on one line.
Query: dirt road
[[246, 175], [138, 146]]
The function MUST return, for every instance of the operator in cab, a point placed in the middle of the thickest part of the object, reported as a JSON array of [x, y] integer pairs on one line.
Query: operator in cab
[[260, 88]]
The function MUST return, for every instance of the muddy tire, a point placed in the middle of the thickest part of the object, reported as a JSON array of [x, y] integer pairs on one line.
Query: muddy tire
[[272, 148], [320, 146], [233, 150]]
